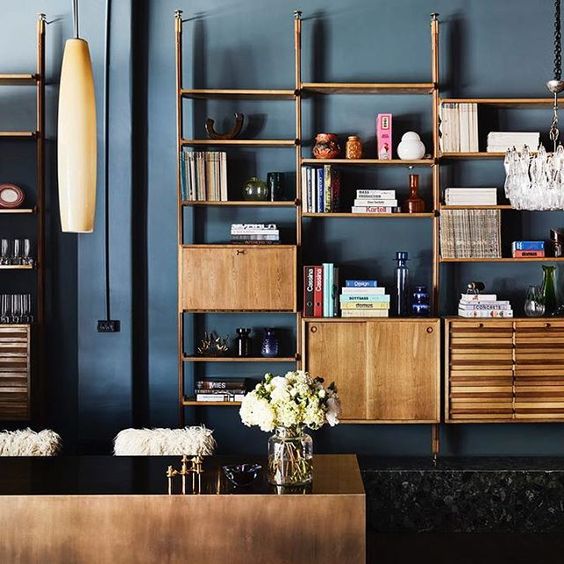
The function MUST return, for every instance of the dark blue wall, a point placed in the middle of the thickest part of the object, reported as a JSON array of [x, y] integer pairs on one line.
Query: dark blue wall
[[102, 383]]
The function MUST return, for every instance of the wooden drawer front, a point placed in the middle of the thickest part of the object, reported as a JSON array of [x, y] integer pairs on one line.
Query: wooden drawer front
[[14, 373], [238, 278], [480, 370], [539, 370]]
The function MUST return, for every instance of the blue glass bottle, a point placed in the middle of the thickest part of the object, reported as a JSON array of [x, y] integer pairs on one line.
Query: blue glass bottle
[[402, 284], [420, 302]]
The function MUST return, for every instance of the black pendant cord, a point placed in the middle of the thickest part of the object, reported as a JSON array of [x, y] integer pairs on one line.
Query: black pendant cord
[[106, 159]]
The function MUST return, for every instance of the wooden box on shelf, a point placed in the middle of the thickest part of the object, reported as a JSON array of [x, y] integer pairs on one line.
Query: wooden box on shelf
[[386, 370], [14, 372], [238, 277]]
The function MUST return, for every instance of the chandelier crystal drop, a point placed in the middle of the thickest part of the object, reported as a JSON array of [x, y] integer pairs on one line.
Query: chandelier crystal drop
[[535, 180]]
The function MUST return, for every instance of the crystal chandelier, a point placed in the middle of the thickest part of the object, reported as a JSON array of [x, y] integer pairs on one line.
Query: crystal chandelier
[[535, 180]]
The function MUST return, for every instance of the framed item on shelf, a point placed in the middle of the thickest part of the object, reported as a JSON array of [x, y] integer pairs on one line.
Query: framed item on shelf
[[11, 196]]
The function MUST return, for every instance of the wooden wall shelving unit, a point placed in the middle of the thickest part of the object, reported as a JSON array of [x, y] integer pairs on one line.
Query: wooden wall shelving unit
[[21, 345]]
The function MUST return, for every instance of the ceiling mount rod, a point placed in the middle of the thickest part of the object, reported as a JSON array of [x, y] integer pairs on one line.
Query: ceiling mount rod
[[75, 18]]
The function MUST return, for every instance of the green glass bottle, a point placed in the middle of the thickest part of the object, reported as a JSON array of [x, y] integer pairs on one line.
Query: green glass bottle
[[549, 292]]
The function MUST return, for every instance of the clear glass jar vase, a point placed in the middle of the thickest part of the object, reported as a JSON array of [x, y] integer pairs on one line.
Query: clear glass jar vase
[[290, 457]]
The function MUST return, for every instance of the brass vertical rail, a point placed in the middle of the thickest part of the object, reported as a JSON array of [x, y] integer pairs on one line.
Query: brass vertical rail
[[435, 441], [40, 204], [298, 164], [180, 209]]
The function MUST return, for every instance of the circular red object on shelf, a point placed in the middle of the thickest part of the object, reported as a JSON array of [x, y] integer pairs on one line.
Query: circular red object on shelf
[[11, 196]]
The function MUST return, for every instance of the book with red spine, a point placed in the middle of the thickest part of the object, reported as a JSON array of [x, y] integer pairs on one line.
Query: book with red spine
[[308, 290], [318, 291]]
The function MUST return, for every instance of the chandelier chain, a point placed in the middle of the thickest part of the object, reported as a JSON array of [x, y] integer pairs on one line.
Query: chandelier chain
[[557, 42]]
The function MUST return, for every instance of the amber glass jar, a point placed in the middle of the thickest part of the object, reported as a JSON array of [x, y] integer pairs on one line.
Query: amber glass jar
[[353, 148]]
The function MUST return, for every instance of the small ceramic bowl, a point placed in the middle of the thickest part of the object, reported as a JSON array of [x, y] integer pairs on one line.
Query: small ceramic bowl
[[242, 474]]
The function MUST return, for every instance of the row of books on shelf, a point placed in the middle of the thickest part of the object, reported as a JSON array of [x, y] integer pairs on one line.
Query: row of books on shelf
[[203, 176], [255, 233], [459, 127], [470, 234], [321, 189], [483, 305], [471, 196], [321, 284], [220, 390]]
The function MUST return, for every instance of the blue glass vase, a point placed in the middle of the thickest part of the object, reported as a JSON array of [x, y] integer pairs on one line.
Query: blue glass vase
[[270, 343], [420, 302]]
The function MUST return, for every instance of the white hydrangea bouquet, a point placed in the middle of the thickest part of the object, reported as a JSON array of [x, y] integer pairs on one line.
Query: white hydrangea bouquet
[[287, 404]]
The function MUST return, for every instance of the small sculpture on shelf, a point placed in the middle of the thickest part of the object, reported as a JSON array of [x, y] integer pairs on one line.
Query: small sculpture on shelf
[[326, 146], [275, 185], [411, 148], [213, 345], [534, 304], [196, 469], [231, 134], [243, 342], [270, 343], [255, 190]]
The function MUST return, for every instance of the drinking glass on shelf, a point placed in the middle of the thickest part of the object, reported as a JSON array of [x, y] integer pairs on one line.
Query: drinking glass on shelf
[[534, 304], [14, 308], [17, 254], [5, 251], [26, 258], [5, 308], [27, 317]]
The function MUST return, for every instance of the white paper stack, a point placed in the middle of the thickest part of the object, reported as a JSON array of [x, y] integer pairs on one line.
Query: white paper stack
[[502, 141], [471, 196]]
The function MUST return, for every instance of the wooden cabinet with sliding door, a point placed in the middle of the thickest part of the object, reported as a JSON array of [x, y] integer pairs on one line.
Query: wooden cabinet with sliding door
[[387, 371]]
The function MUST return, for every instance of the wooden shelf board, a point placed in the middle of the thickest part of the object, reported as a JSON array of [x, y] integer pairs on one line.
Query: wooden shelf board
[[16, 267], [389, 421], [17, 79], [239, 142], [368, 162], [18, 210], [190, 402], [472, 155], [192, 358], [234, 245], [391, 318], [478, 207], [238, 93], [239, 311], [369, 215], [242, 203], [368, 87], [501, 102], [18, 134], [505, 259]]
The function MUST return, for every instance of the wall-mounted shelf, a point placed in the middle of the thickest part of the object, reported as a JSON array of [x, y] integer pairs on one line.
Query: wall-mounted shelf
[[504, 259], [18, 79], [345, 215], [194, 403], [192, 358], [473, 155], [368, 162], [16, 267], [242, 204], [237, 94], [368, 87], [501, 102], [27, 211], [239, 142], [474, 207], [18, 134]]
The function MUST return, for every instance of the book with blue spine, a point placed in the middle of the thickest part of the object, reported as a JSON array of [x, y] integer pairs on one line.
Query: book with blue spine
[[528, 245], [320, 176], [361, 283], [327, 269]]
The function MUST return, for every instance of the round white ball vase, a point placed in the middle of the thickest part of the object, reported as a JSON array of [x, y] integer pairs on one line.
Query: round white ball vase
[[411, 147]]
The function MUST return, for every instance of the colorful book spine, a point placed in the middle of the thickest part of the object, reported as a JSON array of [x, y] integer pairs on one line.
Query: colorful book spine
[[335, 292], [527, 246], [372, 209], [486, 313], [361, 284], [365, 313], [364, 305], [320, 176], [308, 290], [318, 292], [363, 291], [528, 254], [376, 194], [385, 298]]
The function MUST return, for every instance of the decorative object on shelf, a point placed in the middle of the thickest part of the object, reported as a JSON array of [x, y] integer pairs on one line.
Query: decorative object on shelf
[[277, 403], [15, 308], [475, 287], [411, 148], [534, 304], [11, 196], [196, 469], [420, 302], [402, 283], [243, 341], [549, 290], [242, 475], [255, 190], [213, 345], [384, 136], [557, 242], [275, 184], [270, 343], [76, 136], [534, 182], [231, 134], [15, 252], [414, 203], [353, 147], [326, 146]]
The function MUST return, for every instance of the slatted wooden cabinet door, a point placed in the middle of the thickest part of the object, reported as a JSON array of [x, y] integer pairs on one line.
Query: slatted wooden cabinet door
[[480, 370], [237, 278], [386, 370], [539, 370], [14, 372]]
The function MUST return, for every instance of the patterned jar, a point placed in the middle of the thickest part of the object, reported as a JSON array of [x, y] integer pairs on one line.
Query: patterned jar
[[353, 148], [326, 146]]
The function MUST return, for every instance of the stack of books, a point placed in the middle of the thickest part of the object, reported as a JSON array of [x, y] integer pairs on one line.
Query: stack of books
[[221, 390], [364, 298], [471, 196], [483, 305], [470, 234], [203, 176], [527, 249], [375, 201], [502, 141], [321, 189], [321, 283], [459, 128], [255, 233]]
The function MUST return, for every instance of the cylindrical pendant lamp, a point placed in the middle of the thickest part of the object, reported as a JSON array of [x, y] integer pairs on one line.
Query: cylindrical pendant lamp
[[76, 150]]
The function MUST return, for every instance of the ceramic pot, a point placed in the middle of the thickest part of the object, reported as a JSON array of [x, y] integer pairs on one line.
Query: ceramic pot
[[326, 146], [411, 147]]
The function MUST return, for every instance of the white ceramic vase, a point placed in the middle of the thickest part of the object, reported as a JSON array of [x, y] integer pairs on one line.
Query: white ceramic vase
[[411, 147]]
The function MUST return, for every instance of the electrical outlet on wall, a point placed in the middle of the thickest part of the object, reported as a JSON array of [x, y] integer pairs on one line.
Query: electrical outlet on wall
[[108, 326]]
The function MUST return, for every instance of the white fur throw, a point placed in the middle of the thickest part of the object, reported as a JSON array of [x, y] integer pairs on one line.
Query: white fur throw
[[155, 442], [26, 442]]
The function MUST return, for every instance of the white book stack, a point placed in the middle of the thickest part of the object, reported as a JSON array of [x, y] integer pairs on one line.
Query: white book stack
[[259, 233], [459, 127], [375, 201], [471, 196], [502, 141], [483, 305]]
